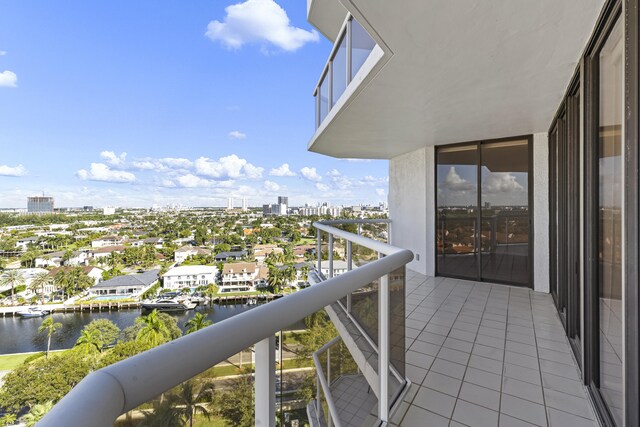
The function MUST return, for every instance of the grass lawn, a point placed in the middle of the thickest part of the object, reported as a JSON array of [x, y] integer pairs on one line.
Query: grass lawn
[[12, 361], [202, 421]]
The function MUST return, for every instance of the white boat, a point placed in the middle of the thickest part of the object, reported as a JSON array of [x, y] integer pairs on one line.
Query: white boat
[[169, 304], [33, 312]]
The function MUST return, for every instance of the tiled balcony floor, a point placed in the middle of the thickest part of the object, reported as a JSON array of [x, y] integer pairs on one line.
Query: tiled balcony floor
[[480, 354], [354, 399]]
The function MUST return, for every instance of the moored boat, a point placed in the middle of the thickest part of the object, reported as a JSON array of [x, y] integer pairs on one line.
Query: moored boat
[[33, 312], [169, 304]]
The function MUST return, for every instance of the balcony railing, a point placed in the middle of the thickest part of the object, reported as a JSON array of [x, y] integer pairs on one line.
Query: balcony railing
[[101, 397], [351, 49]]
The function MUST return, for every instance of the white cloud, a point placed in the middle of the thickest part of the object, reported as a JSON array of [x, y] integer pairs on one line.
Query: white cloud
[[145, 165], [381, 192], [236, 134], [455, 182], [334, 173], [253, 172], [227, 167], [282, 170], [12, 170], [271, 186], [176, 162], [8, 79], [501, 182], [3, 52], [101, 172], [311, 174], [322, 187], [192, 181], [113, 159], [259, 21]]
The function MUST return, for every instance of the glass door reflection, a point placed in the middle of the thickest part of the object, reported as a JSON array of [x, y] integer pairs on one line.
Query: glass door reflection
[[457, 215]]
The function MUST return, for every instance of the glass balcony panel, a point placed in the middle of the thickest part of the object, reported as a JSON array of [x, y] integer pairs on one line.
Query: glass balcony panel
[[203, 400], [364, 308], [324, 98], [339, 71], [361, 46]]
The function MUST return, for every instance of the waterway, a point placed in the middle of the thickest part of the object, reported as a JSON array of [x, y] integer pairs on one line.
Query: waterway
[[19, 335]]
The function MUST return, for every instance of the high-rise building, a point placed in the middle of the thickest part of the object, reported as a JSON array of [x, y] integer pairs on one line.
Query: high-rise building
[[40, 205], [283, 200], [230, 203], [244, 203]]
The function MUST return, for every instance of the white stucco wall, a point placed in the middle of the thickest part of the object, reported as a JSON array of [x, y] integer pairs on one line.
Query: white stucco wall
[[407, 206], [540, 263]]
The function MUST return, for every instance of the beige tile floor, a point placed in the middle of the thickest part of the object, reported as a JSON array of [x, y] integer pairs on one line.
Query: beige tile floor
[[480, 354]]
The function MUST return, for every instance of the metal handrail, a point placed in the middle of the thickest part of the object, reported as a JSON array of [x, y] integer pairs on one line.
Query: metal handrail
[[326, 389], [111, 391]]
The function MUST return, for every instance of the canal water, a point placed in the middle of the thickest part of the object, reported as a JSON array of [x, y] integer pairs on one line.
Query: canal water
[[19, 335]]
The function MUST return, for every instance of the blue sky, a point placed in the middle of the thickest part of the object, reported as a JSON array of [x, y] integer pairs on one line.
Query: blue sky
[[208, 99]]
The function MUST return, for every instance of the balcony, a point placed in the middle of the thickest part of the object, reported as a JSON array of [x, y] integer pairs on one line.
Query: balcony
[[411, 350], [351, 50]]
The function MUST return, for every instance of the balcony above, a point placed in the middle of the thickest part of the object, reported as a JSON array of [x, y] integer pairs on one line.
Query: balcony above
[[326, 16], [444, 72]]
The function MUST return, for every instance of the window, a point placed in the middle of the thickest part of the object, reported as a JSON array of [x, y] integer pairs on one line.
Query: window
[[483, 211]]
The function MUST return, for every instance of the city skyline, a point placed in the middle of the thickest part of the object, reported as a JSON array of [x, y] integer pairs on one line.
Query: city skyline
[[167, 105]]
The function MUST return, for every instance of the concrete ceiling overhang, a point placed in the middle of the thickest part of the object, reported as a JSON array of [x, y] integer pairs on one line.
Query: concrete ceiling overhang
[[327, 16], [458, 70]]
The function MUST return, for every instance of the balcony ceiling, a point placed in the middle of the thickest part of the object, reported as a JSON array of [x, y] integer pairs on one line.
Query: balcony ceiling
[[460, 70]]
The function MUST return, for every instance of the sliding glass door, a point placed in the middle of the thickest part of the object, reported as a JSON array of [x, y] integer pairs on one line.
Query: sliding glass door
[[483, 216], [457, 201], [610, 219]]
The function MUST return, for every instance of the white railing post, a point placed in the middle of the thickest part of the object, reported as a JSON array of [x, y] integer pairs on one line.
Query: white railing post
[[265, 382], [319, 251], [349, 268], [329, 418], [330, 256], [383, 348]]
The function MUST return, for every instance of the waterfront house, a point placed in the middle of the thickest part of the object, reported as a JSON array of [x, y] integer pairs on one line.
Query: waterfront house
[[131, 285], [92, 271], [239, 276], [189, 276]]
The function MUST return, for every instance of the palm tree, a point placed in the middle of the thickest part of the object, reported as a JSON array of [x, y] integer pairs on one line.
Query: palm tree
[[89, 341], [154, 332], [50, 328], [289, 274], [40, 280], [164, 414], [36, 413], [197, 322], [189, 402], [12, 278], [212, 290], [276, 278]]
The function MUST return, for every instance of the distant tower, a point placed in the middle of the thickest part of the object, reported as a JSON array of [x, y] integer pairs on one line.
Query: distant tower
[[244, 203], [283, 200], [40, 205], [230, 203]]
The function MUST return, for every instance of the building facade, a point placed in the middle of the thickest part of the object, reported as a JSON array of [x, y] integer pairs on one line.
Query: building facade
[[513, 154], [189, 276], [40, 205]]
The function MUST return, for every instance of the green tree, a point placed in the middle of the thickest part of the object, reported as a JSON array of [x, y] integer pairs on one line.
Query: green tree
[[49, 327], [123, 350], [162, 414], [197, 322], [275, 278], [107, 332], [14, 279], [236, 405], [36, 413], [221, 247], [190, 400], [43, 380], [8, 419], [89, 341], [39, 281], [154, 332]]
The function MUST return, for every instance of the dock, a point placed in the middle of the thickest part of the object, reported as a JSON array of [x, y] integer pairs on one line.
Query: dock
[[70, 308]]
